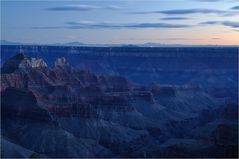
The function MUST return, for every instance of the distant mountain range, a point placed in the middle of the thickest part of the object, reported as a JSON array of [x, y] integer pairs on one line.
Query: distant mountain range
[[148, 44], [4, 42]]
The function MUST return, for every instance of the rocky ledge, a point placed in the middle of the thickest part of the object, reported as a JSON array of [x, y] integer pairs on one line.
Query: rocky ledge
[[20, 61]]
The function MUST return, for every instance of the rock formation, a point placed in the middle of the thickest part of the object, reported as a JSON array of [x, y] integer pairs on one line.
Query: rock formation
[[61, 62], [19, 61], [68, 112]]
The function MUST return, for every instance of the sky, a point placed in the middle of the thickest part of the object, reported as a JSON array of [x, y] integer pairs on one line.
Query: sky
[[196, 22]]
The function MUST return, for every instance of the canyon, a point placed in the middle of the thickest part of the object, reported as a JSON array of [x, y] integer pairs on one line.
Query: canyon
[[92, 104]]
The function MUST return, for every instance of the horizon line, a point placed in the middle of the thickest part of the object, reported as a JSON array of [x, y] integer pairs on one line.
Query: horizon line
[[82, 44]]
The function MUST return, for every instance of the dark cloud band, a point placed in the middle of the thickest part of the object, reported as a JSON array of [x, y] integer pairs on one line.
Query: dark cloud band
[[225, 23], [82, 8], [189, 11], [92, 25], [175, 18], [235, 8]]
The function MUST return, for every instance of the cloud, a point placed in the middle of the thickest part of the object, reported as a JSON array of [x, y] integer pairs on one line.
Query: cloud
[[110, 25], [184, 11], [47, 27], [113, 7], [235, 8], [82, 8], [175, 18], [90, 24], [73, 8], [159, 25], [231, 24], [209, 23], [93, 25], [189, 11], [225, 23], [192, 11]]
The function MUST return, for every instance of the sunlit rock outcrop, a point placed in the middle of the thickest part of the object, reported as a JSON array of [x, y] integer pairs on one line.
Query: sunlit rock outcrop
[[20, 61]]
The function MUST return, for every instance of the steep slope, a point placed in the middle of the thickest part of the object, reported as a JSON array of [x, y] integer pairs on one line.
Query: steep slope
[[67, 112], [37, 131], [11, 150]]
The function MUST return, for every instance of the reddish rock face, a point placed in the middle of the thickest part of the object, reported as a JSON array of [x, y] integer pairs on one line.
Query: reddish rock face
[[66, 91], [225, 135], [22, 103], [143, 95], [231, 111], [16, 80], [164, 91]]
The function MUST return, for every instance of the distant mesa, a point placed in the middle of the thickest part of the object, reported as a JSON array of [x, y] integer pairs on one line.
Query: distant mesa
[[5, 42]]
